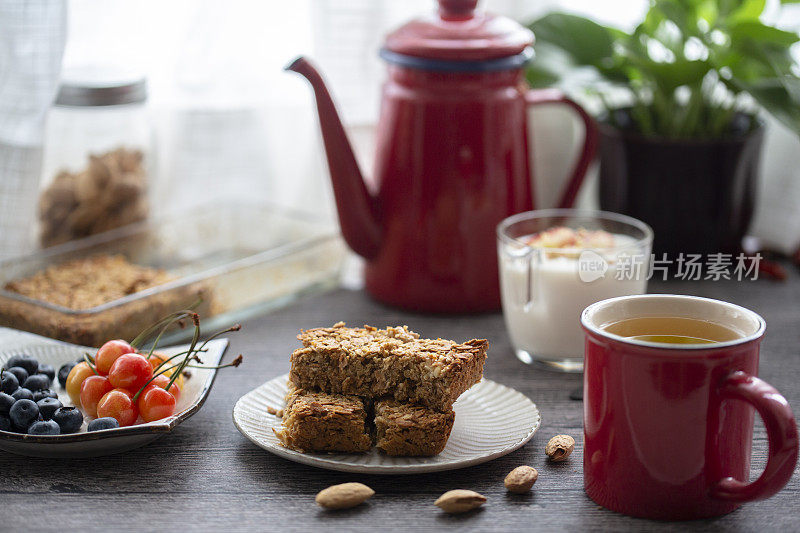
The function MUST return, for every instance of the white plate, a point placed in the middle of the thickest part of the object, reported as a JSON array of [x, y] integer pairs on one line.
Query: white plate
[[97, 443], [492, 420]]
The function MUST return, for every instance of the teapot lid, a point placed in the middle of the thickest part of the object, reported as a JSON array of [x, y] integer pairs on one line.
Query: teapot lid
[[459, 32]]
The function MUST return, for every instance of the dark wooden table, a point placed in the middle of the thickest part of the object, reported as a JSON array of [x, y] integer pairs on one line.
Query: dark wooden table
[[206, 476]]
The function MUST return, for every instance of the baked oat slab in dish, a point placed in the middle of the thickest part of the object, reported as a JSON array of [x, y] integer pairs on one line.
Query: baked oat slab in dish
[[89, 300], [394, 362]]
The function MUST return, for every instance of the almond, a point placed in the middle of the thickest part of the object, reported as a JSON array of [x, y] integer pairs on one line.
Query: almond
[[521, 479], [559, 448], [459, 501], [344, 496]]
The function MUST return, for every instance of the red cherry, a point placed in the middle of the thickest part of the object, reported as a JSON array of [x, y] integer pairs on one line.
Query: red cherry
[[118, 404], [155, 403], [92, 389], [130, 371], [162, 381], [110, 352]]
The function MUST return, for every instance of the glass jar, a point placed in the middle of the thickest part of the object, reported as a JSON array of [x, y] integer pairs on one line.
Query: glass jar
[[97, 156], [544, 288]]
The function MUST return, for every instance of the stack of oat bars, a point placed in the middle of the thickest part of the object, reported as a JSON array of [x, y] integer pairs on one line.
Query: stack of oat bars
[[354, 388]]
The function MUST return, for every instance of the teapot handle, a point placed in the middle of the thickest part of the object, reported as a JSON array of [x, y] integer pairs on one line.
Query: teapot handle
[[554, 96]]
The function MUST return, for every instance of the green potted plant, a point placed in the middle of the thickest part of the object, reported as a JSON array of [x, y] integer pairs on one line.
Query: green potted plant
[[680, 140]]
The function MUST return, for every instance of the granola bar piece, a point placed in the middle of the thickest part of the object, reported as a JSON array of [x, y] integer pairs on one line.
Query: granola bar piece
[[394, 362], [411, 430], [322, 422]]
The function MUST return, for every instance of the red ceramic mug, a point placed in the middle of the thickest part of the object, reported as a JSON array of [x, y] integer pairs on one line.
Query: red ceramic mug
[[668, 427]]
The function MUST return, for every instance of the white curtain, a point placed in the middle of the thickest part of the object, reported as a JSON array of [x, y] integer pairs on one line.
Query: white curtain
[[32, 36]]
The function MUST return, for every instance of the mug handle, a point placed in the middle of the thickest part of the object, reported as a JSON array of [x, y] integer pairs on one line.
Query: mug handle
[[554, 96], [781, 431]]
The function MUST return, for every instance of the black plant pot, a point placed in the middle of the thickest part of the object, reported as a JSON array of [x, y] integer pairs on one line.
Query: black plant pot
[[698, 195]]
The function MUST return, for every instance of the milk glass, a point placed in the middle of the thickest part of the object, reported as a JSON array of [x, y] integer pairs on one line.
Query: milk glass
[[544, 290]]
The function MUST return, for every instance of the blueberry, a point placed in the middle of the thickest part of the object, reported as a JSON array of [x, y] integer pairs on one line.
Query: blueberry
[[22, 394], [69, 419], [44, 427], [63, 373], [37, 382], [48, 371], [6, 401], [48, 407], [5, 423], [8, 382], [99, 424], [20, 372], [27, 362], [23, 413], [45, 393]]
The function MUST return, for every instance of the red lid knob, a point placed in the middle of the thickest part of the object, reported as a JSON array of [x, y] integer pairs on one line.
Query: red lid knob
[[457, 9]]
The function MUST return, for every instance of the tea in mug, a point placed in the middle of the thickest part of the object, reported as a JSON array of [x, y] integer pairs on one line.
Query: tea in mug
[[672, 330]]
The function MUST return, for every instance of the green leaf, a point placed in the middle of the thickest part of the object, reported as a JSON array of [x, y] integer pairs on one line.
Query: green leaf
[[549, 66], [780, 97], [752, 61], [673, 96], [758, 32], [708, 11], [675, 12], [748, 10], [670, 76], [586, 41], [554, 66]]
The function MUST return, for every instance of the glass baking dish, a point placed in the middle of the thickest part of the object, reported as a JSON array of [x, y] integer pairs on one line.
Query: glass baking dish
[[240, 259]]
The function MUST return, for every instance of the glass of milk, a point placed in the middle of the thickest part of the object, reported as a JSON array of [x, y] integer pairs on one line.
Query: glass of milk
[[556, 262]]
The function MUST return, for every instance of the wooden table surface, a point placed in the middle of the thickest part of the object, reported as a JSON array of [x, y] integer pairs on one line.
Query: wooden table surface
[[206, 476]]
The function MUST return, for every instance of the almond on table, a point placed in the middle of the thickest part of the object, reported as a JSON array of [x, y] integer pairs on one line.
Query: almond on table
[[344, 496]]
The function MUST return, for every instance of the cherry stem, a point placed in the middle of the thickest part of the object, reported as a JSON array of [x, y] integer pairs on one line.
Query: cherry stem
[[178, 319], [235, 327], [155, 375], [189, 355], [90, 361], [182, 365], [165, 361], [235, 362], [202, 348], [150, 329], [187, 352]]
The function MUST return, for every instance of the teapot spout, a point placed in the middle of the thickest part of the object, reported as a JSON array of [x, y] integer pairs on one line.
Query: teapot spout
[[357, 208]]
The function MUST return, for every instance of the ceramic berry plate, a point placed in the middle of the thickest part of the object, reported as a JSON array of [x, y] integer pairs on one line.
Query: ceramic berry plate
[[110, 441], [492, 420]]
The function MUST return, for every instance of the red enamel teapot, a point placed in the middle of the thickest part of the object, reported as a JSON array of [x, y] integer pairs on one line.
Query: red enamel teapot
[[452, 158]]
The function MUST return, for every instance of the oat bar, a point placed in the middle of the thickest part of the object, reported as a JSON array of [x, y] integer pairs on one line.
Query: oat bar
[[394, 362], [321, 422], [411, 430]]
